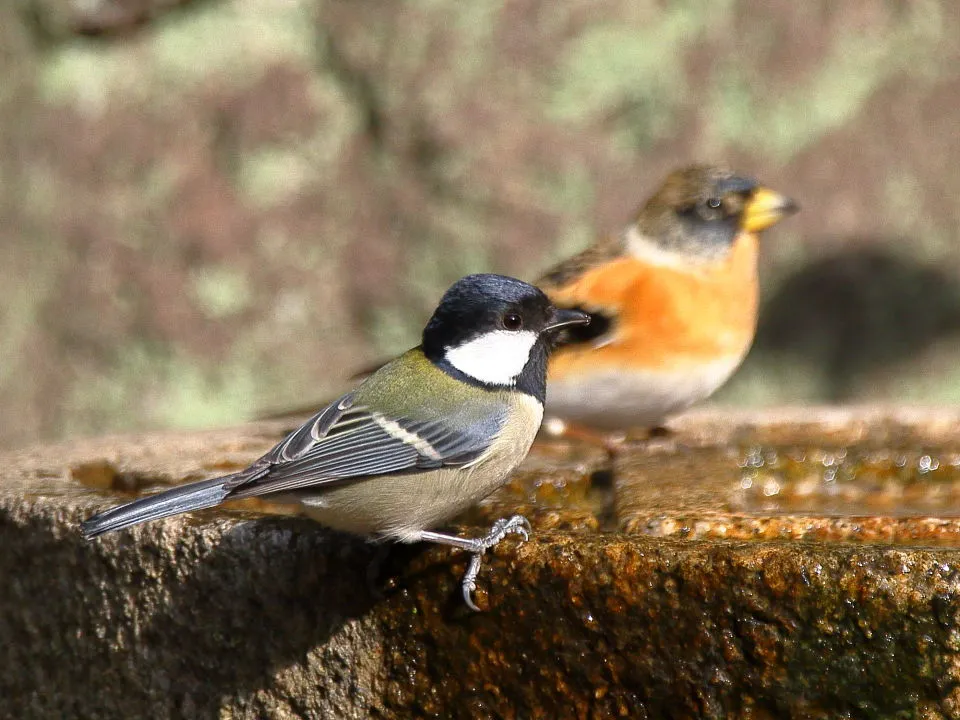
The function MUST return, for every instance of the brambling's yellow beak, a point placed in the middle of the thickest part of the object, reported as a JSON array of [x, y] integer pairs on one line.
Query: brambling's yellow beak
[[766, 208]]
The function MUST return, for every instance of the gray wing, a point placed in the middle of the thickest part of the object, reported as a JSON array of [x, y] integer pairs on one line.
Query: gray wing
[[346, 441], [341, 442]]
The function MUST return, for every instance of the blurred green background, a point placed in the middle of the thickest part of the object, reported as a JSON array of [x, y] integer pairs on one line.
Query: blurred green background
[[214, 209]]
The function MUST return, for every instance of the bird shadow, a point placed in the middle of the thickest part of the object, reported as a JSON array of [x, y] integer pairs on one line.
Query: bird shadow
[[857, 310], [144, 625]]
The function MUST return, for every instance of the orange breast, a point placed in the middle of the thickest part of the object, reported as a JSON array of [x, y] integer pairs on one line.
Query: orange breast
[[666, 317]]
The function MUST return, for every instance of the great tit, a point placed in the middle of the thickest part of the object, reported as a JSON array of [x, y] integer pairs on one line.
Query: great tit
[[429, 434]]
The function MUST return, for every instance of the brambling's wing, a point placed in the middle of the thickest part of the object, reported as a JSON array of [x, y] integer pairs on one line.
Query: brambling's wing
[[347, 440], [572, 269], [562, 284]]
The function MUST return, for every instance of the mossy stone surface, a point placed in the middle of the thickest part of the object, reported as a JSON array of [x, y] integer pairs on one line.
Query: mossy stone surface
[[232, 613]]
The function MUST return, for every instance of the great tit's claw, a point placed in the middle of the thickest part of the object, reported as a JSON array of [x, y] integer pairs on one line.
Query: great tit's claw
[[470, 580], [516, 525]]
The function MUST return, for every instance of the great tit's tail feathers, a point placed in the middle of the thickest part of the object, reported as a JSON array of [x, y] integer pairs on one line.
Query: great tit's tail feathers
[[194, 496]]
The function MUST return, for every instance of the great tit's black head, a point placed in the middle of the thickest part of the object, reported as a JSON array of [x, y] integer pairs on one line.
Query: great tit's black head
[[495, 331], [701, 209]]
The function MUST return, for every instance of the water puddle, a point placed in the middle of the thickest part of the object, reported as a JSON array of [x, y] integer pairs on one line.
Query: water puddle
[[848, 481], [861, 492]]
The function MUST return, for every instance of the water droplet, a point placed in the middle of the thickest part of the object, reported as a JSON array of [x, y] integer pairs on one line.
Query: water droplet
[[927, 464]]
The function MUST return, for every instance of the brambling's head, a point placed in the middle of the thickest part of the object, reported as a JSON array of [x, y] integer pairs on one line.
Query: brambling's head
[[700, 210]]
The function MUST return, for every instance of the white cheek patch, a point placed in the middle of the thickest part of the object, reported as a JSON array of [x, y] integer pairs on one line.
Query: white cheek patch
[[496, 357]]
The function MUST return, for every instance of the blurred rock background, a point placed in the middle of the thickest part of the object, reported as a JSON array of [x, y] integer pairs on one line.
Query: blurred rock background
[[216, 208]]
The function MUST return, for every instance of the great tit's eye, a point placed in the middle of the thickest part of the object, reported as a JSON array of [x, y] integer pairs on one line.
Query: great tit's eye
[[714, 202], [512, 321]]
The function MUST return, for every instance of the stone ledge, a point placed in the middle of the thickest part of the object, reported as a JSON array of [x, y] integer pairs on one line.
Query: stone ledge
[[224, 614]]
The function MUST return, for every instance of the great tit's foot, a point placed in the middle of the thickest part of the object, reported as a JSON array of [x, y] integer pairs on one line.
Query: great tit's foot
[[516, 525]]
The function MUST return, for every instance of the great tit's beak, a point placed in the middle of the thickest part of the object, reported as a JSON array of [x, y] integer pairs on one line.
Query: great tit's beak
[[765, 208], [563, 318]]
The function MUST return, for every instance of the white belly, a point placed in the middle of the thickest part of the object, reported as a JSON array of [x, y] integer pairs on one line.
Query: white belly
[[614, 400], [402, 506]]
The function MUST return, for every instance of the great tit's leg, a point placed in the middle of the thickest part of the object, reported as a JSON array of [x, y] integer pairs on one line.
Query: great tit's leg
[[517, 524]]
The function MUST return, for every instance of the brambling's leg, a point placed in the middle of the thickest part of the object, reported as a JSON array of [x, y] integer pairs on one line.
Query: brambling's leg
[[559, 429], [517, 524]]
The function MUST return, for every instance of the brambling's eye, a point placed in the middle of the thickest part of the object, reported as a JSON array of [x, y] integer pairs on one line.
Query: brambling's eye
[[714, 202], [512, 321]]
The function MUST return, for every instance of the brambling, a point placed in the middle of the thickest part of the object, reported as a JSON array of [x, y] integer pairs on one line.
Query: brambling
[[672, 299]]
